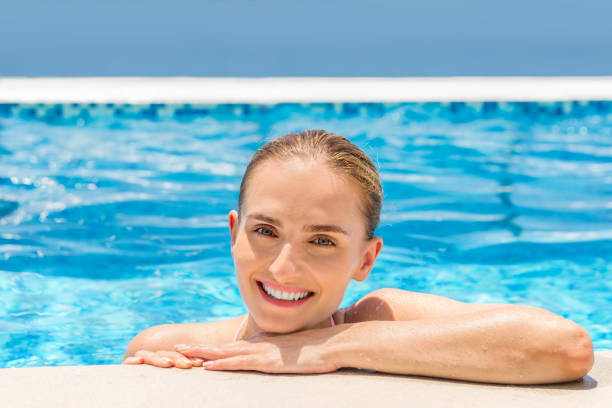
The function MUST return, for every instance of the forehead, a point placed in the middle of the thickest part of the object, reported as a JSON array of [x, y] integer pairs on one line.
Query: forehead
[[298, 188]]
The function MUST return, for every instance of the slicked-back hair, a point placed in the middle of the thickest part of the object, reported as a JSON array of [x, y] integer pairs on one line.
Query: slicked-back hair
[[339, 153]]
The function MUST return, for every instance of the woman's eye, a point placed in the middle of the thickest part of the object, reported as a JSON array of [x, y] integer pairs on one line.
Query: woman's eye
[[265, 231], [324, 242]]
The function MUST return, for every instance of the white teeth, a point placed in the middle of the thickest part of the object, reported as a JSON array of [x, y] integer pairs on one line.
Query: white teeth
[[284, 295]]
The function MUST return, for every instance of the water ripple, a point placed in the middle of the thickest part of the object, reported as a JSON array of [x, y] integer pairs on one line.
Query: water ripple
[[113, 217]]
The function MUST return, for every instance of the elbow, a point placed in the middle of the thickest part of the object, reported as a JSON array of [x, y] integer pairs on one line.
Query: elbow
[[567, 356], [134, 345], [562, 351], [578, 353], [142, 341]]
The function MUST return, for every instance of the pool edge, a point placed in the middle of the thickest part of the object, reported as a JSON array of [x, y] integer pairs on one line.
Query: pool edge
[[128, 386]]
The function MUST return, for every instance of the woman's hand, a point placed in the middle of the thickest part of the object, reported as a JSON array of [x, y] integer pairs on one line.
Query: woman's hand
[[303, 352], [163, 358]]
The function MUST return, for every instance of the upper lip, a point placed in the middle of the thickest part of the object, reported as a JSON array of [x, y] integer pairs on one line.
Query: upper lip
[[283, 288]]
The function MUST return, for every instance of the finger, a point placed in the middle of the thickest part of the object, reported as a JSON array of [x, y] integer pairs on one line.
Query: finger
[[247, 362], [214, 352], [178, 360], [133, 360], [181, 361], [197, 362], [154, 359]]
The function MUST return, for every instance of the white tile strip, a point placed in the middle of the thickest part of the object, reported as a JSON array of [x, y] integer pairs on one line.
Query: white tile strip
[[301, 90]]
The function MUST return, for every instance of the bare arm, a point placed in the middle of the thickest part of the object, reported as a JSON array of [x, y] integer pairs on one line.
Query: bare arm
[[402, 332], [509, 344], [161, 337], [155, 345], [437, 336]]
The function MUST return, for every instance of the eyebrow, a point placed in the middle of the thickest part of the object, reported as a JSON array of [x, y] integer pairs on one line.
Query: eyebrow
[[265, 218], [309, 228], [325, 228]]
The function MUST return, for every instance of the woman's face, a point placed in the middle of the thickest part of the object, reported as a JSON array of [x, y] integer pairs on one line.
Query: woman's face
[[300, 240]]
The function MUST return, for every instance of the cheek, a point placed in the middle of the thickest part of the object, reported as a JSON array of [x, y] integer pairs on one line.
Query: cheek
[[245, 264], [243, 254], [250, 255], [332, 271], [339, 259]]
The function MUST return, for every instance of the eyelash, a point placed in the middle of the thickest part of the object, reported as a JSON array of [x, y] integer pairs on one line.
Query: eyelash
[[258, 231]]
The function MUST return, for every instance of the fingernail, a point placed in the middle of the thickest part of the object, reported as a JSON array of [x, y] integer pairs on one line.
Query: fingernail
[[207, 363], [166, 360]]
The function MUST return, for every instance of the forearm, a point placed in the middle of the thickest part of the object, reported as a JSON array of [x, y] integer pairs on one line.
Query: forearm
[[507, 345]]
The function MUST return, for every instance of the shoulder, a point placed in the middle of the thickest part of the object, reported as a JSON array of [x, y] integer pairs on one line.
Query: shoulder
[[165, 336], [397, 304]]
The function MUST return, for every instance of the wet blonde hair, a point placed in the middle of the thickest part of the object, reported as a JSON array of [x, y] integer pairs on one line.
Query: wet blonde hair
[[339, 153]]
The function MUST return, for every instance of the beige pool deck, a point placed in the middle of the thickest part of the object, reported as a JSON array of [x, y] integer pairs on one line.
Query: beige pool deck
[[146, 386]]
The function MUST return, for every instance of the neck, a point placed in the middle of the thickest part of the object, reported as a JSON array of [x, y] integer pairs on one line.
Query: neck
[[251, 328]]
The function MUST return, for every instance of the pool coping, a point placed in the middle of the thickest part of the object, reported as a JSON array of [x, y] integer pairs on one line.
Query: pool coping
[[271, 90], [134, 386]]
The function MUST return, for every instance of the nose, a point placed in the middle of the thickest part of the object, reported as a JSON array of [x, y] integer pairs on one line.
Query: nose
[[283, 267]]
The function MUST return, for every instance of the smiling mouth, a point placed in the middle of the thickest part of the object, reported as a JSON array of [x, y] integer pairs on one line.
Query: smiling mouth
[[283, 297]]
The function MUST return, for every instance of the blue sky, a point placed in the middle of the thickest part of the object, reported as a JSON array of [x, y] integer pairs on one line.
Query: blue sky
[[305, 38]]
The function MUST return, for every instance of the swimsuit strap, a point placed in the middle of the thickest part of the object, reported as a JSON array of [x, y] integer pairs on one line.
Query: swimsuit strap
[[331, 318], [240, 327]]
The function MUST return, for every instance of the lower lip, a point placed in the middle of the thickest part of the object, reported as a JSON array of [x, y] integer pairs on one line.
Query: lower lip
[[279, 302]]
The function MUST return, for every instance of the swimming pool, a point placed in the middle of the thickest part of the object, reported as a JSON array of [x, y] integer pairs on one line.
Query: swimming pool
[[113, 217]]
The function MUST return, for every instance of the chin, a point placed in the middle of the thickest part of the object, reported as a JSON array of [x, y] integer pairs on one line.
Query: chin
[[271, 325]]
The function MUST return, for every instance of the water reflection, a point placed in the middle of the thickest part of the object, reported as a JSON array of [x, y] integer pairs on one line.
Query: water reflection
[[506, 183]]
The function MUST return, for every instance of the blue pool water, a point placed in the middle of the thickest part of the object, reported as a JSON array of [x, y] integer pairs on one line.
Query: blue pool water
[[113, 217]]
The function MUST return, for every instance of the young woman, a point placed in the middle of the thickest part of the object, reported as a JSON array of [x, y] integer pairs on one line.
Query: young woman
[[308, 207]]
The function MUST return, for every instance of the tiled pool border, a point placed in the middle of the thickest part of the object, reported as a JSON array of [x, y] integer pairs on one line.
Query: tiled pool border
[[143, 90]]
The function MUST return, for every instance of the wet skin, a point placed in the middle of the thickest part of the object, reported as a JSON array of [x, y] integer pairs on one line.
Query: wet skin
[[301, 227]]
